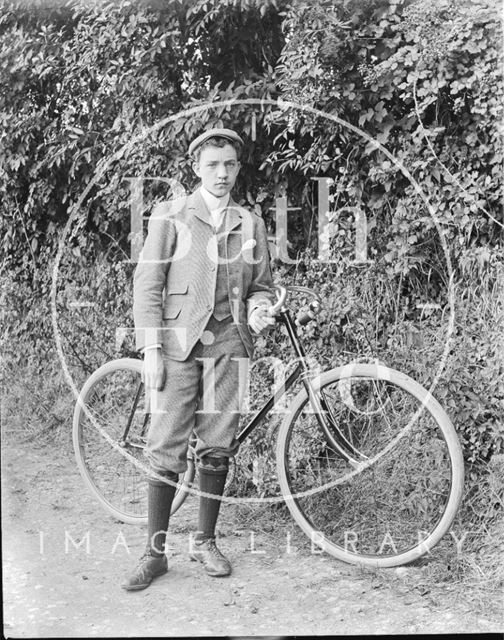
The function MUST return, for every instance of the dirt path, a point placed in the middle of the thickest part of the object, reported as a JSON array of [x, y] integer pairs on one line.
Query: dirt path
[[54, 588]]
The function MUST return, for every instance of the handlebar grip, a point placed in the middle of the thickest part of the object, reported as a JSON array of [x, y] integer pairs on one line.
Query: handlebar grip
[[304, 318]]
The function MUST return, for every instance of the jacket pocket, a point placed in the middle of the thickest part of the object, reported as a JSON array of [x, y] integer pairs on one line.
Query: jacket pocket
[[171, 312], [175, 298], [176, 288]]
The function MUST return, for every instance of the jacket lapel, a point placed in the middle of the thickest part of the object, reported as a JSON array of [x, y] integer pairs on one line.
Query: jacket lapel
[[197, 205], [233, 215]]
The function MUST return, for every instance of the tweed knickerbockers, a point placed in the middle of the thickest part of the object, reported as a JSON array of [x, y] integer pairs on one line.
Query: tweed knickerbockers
[[202, 393]]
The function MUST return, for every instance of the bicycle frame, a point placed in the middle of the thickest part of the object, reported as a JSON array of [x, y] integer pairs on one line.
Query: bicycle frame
[[335, 438], [333, 434]]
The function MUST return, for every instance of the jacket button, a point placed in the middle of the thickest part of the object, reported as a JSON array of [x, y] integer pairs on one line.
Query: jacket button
[[207, 337]]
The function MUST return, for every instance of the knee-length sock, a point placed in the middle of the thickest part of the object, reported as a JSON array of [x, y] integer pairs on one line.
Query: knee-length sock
[[210, 481], [160, 498]]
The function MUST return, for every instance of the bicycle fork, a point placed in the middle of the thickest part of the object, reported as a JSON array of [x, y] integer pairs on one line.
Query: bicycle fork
[[333, 434], [124, 441]]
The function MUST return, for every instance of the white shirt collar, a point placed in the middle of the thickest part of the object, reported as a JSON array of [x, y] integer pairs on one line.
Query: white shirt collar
[[212, 202]]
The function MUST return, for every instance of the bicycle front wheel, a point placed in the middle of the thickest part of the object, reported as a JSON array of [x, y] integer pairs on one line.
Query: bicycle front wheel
[[399, 495], [110, 425]]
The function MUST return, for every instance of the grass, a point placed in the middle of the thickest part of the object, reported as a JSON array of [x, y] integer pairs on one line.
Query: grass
[[39, 409], [37, 406]]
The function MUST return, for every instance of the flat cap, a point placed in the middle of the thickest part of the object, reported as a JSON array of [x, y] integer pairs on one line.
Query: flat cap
[[214, 133]]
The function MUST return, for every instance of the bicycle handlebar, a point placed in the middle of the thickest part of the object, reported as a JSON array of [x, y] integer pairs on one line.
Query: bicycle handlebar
[[281, 294]]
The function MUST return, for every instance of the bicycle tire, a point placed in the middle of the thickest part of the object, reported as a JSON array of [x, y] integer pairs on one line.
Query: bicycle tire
[[115, 473], [392, 508]]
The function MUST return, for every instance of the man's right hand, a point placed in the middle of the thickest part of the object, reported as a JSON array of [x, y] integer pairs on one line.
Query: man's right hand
[[153, 373]]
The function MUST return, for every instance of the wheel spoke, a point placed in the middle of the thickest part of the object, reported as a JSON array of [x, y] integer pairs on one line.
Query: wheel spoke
[[114, 467], [389, 505]]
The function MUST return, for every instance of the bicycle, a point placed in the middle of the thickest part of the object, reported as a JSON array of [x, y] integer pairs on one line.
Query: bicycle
[[368, 462]]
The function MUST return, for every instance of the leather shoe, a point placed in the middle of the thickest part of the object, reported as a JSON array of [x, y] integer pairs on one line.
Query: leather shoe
[[214, 562], [149, 567]]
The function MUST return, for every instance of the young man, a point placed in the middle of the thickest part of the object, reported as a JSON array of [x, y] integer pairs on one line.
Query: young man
[[202, 280]]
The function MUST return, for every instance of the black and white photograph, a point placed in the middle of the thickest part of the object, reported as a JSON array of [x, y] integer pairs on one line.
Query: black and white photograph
[[252, 338]]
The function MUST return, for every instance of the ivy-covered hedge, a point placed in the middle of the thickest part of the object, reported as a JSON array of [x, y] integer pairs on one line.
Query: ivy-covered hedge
[[80, 81]]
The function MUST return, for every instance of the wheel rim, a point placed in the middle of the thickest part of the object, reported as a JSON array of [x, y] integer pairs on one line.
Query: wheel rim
[[393, 507], [108, 465]]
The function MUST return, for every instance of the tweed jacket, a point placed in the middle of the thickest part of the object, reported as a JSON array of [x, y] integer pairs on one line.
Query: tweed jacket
[[175, 279]]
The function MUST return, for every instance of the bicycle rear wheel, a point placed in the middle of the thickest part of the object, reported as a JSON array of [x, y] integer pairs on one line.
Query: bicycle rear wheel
[[110, 460], [400, 498]]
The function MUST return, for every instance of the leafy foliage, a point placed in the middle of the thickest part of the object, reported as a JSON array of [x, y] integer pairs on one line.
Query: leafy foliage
[[84, 86], [422, 79]]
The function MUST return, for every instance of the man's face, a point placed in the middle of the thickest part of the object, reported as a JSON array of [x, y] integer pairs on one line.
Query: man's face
[[217, 168]]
